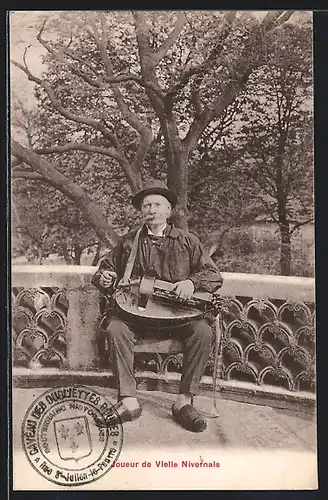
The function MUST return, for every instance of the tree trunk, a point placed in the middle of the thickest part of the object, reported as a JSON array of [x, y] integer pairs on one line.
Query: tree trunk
[[285, 243], [66, 255], [285, 249], [177, 166], [77, 256], [214, 245], [177, 181], [176, 156], [16, 224], [95, 259], [40, 255]]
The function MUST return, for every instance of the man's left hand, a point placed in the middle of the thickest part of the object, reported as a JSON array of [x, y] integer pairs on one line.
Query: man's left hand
[[184, 289]]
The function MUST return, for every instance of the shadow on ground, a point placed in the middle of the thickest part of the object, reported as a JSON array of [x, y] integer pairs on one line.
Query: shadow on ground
[[240, 425]]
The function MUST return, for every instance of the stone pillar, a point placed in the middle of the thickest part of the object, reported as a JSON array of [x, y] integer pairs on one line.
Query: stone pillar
[[83, 299]]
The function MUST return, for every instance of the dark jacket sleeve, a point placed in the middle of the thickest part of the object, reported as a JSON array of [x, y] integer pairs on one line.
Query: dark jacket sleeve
[[204, 273], [111, 262]]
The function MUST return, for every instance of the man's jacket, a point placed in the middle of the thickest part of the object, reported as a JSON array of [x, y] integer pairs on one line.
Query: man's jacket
[[177, 256]]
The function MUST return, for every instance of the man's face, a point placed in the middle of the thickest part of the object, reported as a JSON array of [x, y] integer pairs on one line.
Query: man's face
[[156, 209]]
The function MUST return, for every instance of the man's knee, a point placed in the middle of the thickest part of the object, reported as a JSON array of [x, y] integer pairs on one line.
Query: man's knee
[[117, 329]]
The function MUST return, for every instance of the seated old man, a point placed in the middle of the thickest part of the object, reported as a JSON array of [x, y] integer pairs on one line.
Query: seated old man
[[164, 252]]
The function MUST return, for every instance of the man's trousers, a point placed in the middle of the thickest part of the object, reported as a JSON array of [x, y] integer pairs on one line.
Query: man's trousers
[[196, 337]]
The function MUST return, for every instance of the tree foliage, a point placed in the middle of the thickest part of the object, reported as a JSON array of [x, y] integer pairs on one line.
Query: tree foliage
[[276, 138], [131, 95]]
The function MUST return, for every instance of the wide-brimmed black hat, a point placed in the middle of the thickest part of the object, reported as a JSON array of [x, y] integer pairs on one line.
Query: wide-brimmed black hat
[[154, 187]]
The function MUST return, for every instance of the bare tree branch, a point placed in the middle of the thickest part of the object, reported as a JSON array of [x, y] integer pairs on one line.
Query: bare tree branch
[[22, 174], [148, 67], [98, 125], [226, 119], [197, 103], [163, 109], [269, 210], [79, 147], [142, 82], [201, 69], [227, 96], [172, 37], [284, 17], [15, 162], [128, 115], [269, 21], [70, 189], [141, 153], [142, 29], [258, 180], [300, 224], [239, 74], [76, 57], [97, 82], [130, 171], [60, 56]]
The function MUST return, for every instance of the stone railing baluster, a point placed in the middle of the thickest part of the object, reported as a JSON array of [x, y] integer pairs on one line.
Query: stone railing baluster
[[268, 329], [82, 319]]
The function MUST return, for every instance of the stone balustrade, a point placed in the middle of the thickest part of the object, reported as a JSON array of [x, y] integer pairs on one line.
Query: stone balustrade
[[268, 329]]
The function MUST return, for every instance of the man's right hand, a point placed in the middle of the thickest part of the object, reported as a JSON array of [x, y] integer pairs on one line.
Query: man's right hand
[[107, 278]]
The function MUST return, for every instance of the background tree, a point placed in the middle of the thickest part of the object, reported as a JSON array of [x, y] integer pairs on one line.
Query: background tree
[[28, 232], [218, 200], [275, 140], [167, 74]]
